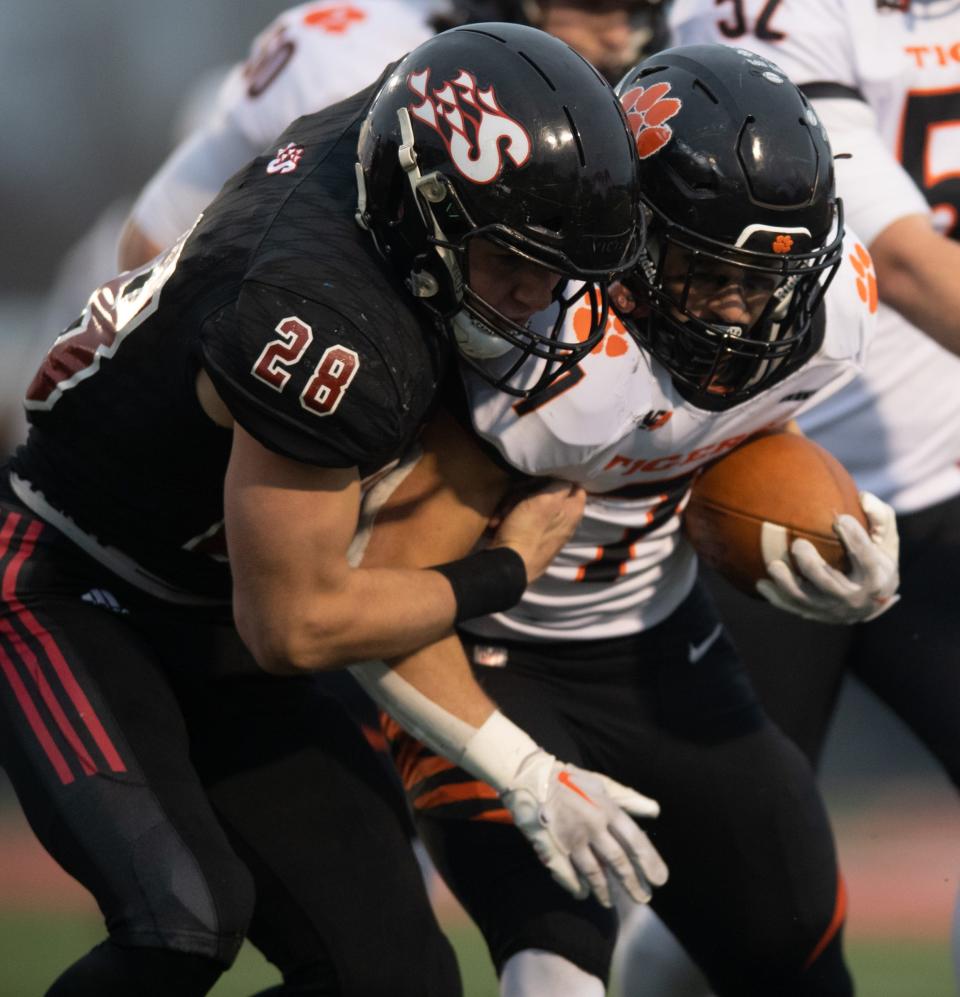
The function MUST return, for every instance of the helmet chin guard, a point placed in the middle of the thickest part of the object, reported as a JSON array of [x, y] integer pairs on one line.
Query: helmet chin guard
[[476, 340]]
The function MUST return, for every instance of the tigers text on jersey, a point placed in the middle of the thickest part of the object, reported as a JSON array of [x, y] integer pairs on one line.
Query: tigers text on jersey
[[314, 347], [625, 433], [897, 427], [310, 57]]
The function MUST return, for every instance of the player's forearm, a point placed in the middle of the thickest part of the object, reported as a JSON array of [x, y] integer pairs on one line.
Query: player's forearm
[[301, 606], [434, 696], [440, 673], [917, 276], [376, 613]]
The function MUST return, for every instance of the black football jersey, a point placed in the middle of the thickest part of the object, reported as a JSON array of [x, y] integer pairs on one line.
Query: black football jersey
[[316, 348]]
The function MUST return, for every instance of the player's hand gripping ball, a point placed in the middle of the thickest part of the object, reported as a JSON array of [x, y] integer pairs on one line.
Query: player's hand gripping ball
[[781, 518]]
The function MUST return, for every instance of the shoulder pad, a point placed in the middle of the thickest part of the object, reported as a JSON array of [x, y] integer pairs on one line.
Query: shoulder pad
[[308, 383]]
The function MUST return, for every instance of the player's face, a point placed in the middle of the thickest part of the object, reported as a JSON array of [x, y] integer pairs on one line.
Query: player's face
[[513, 286], [601, 31], [714, 291]]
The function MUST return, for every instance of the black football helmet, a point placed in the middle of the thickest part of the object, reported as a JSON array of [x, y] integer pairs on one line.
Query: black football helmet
[[501, 131], [736, 175]]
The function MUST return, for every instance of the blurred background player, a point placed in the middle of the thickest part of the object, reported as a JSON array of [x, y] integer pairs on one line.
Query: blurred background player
[[612, 34], [316, 54], [310, 57], [883, 80], [236, 390], [616, 654]]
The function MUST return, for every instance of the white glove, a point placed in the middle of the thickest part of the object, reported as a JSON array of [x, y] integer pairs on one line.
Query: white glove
[[816, 591], [578, 824], [577, 821]]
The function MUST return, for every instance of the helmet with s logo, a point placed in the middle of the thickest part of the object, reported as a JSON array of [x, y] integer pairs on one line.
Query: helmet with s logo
[[736, 174], [502, 132]]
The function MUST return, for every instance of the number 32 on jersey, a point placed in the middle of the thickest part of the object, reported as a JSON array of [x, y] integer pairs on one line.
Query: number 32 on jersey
[[331, 377], [739, 25]]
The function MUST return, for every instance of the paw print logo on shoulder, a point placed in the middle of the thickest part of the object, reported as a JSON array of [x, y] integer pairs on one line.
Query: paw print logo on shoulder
[[648, 109], [615, 342], [862, 264]]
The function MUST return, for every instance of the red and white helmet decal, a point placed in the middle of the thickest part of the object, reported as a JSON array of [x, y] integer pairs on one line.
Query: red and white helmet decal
[[474, 128], [647, 109]]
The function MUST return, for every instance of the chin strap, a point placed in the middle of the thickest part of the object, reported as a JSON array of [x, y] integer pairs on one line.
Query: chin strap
[[422, 283]]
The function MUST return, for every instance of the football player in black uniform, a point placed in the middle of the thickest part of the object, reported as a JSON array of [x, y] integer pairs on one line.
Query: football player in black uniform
[[241, 387]]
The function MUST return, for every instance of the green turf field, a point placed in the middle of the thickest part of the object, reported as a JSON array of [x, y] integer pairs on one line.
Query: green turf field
[[33, 945]]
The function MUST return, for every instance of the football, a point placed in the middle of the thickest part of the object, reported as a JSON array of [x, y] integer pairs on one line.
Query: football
[[749, 507]]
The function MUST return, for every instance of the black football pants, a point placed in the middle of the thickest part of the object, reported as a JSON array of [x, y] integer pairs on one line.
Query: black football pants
[[754, 893], [198, 799]]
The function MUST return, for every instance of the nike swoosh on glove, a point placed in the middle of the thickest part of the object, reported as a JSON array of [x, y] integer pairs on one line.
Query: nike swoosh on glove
[[819, 592]]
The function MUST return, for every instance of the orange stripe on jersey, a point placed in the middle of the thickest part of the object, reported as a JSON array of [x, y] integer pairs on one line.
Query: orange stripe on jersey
[[374, 737], [474, 790], [391, 729], [423, 769], [406, 759], [582, 570], [500, 816], [406, 750], [839, 914]]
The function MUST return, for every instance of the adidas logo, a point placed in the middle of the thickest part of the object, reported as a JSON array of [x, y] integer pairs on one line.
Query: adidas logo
[[104, 599]]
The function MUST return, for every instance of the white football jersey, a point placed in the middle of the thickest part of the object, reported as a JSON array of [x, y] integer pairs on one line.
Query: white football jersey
[[898, 426], [627, 435], [311, 56]]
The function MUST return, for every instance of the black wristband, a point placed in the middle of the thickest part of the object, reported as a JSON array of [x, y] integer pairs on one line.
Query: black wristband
[[487, 582]]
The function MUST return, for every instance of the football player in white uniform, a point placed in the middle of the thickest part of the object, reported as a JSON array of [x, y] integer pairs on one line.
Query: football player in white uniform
[[885, 79], [309, 57], [615, 654], [318, 53]]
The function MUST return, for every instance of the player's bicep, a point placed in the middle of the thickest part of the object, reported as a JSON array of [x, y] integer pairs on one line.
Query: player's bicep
[[288, 524], [875, 188]]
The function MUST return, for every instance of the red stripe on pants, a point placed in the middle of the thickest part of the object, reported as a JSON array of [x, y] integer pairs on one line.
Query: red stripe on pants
[[67, 679]]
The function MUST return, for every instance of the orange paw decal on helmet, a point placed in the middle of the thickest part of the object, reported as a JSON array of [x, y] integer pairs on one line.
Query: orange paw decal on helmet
[[614, 342], [783, 244], [647, 109], [866, 277]]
